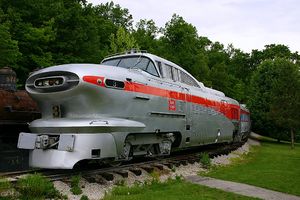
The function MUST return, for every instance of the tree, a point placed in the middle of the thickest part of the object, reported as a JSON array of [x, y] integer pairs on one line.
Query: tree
[[145, 35], [77, 35], [285, 93], [183, 46], [271, 51], [9, 50], [117, 15], [122, 41], [275, 97]]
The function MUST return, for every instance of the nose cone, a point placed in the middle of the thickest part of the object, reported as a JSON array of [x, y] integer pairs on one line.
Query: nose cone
[[65, 77], [51, 81]]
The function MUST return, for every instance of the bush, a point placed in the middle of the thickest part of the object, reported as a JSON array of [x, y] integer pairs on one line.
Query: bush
[[205, 160], [75, 189], [36, 186]]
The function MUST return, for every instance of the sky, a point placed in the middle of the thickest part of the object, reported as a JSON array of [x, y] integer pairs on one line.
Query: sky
[[247, 24]]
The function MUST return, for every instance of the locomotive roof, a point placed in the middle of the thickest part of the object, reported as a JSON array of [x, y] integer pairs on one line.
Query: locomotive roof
[[154, 58], [149, 55], [160, 59]]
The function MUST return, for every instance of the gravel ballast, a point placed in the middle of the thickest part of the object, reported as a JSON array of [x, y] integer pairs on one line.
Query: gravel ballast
[[96, 191]]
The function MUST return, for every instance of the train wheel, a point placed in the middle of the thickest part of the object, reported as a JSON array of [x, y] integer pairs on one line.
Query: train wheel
[[114, 163]]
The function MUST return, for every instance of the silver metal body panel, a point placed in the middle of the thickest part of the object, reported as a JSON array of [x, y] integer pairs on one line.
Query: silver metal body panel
[[84, 125], [84, 143]]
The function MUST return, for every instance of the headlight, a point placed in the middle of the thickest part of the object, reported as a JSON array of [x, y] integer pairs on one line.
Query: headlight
[[48, 82]]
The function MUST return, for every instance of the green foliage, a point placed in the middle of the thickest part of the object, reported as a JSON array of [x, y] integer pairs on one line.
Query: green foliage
[[9, 50], [75, 188], [49, 32], [272, 165], [36, 186], [84, 197], [205, 160]]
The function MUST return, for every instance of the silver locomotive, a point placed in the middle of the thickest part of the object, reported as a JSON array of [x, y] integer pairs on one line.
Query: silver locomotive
[[132, 104]]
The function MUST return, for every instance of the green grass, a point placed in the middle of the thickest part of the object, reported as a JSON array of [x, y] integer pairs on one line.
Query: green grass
[[272, 165], [172, 189], [35, 187], [4, 187], [31, 187]]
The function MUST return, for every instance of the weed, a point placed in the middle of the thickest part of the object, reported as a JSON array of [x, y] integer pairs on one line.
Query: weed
[[205, 160], [155, 176], [35, 186], [75, 188], [173, 169], [84, 197], [120, 182], [178, 178]]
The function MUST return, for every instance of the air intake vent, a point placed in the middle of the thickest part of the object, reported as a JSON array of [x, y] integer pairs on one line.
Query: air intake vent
[[114, 84]]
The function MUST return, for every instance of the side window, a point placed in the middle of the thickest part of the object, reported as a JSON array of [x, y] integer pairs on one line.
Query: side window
[[160, 68], [168, 70], [175, 74], [185, 78], [151, 69]]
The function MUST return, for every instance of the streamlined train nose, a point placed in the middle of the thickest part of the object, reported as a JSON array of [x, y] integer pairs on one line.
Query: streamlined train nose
[[65, 77]]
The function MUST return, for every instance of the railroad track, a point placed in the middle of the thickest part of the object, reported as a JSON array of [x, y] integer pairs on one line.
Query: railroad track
[[135, 166]]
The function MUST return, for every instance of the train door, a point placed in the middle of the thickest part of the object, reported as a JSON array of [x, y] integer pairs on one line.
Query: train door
[[188, 116]]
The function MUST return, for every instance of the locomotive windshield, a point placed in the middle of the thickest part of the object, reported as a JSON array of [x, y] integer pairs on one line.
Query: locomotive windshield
[[140, 62]]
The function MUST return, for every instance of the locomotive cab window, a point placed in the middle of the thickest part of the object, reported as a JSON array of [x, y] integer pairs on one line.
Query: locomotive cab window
[[139, 62], [151, 69], [112, 62]]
